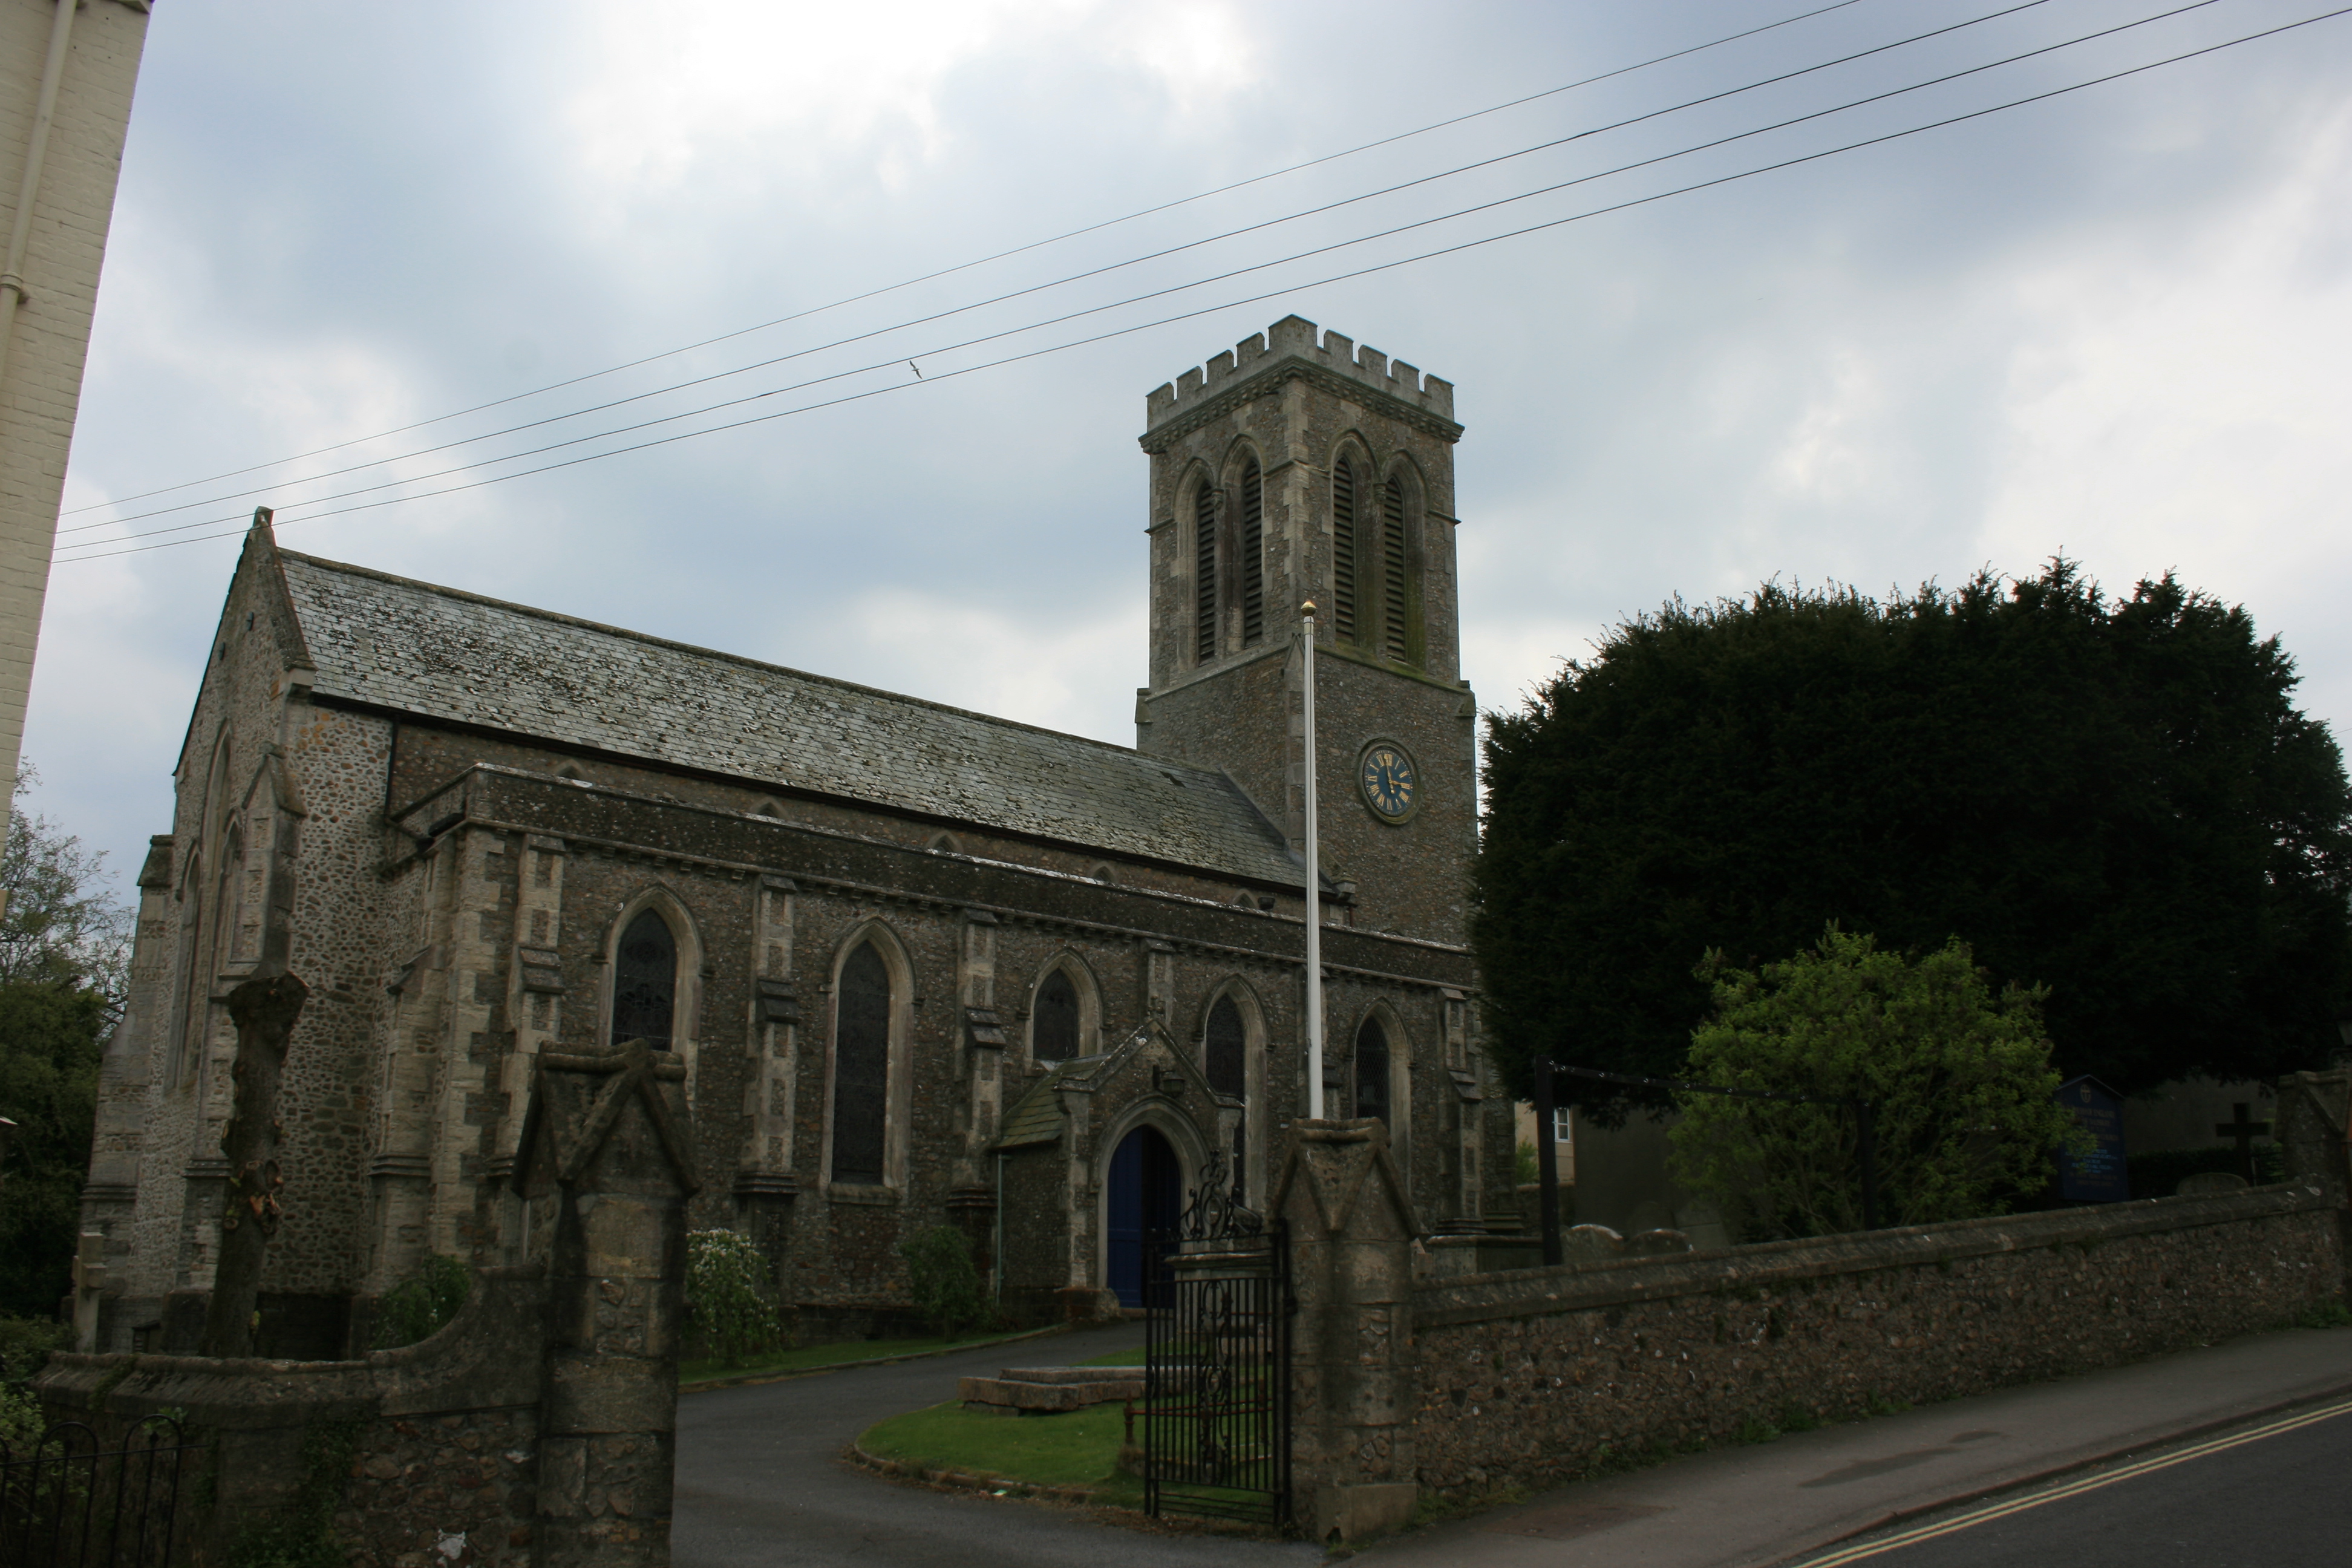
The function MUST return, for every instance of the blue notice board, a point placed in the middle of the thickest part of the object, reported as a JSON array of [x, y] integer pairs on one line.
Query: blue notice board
[[2097, 1177]]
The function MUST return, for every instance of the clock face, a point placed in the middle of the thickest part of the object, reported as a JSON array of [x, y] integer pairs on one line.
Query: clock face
[[1391, 785]]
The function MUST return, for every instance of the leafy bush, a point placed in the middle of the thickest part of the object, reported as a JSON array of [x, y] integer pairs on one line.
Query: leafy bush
[[420, 1307], [727, 1295], [1960, 1076], [1524, 1168], [25, 1344], [946, 1287], [21, 1422]]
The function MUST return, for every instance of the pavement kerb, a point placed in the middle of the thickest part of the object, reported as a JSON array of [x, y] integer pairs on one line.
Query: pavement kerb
[[754, 1380], [2072, 1466], [968, 1481]]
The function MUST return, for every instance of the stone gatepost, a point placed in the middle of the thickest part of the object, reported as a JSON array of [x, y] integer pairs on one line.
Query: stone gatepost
[[2314, 1132], [1351, 1230], [609, 1131]]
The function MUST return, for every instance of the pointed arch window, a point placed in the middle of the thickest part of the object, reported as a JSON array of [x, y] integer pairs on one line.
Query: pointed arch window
[[1204, 571], [1226, 1063], [1053, 1027], [1395, 638], [1253, 543], [861, 1068], [1343, 549], [644, 981], [1373, 1070]]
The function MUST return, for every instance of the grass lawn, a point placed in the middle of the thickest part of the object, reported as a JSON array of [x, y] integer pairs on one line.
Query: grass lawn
[[1077, 1449], [812, 1358]]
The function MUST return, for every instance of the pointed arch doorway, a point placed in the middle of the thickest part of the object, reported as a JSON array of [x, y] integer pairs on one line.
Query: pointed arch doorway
[[1145, 1197]]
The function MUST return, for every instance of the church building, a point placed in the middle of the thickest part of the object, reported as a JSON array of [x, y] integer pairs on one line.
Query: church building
[[923, 966]]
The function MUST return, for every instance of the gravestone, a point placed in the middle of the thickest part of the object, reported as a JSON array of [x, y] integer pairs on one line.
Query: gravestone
[[2097, 1176]]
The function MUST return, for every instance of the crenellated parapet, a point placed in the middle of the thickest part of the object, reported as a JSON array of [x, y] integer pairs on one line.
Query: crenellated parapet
[[1293, 346]]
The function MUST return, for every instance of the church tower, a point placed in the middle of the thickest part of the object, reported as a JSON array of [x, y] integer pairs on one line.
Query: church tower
[[1301, 468]]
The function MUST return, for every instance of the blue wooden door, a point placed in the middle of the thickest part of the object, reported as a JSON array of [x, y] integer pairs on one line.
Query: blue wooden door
[[1144, 1200]]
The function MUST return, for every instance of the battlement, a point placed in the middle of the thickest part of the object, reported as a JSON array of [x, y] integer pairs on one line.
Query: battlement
[[1294, 338]]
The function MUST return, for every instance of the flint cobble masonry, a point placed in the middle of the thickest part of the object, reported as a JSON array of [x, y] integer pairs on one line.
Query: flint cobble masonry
[[1526, 1377]]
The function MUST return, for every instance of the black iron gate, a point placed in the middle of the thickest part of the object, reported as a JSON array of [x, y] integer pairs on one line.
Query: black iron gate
[[68, 1500], [1216, 1335]]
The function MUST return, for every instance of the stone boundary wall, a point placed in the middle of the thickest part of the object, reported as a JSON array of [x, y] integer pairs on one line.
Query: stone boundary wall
[[443, 1474], [1525, 1376]]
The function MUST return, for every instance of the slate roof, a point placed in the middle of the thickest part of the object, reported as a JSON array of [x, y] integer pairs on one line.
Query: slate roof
[[1036, 1117], [394, 643]]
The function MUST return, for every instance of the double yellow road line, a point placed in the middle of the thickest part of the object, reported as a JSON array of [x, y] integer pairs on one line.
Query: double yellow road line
[[2077, 1488]]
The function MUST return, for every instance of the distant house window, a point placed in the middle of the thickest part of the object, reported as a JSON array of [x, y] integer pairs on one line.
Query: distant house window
[[1373, 1070], [1343, 550], [1253, 554], [1227, 1065], [861, 1066], [1562, 1131], [1053, 1027], [644, 981], [1204, 571]]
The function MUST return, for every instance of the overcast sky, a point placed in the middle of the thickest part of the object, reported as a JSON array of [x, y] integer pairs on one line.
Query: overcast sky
[[2113, 323]]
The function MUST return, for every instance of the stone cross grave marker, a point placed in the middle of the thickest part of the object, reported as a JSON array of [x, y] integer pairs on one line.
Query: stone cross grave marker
[[2244, 1132]]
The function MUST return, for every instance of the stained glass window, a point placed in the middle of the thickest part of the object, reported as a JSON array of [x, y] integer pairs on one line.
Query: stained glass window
[[644, 981]]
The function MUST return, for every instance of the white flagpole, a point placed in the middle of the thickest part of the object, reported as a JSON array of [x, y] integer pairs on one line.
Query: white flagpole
[[1313, 887]]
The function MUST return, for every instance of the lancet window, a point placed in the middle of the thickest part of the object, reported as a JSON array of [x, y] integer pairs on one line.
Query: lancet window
[[1343, 550], [1252, 549], [1054, 1022], [1204, 571], [1395, 640], [644, 981], [1373, 1070], [861, 1068], [1226, 1063]]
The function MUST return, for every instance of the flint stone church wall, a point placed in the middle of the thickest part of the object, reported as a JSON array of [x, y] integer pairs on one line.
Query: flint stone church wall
[[1526, 1377]]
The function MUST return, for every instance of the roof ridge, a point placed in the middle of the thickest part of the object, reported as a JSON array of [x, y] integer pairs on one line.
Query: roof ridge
[[742, 660]]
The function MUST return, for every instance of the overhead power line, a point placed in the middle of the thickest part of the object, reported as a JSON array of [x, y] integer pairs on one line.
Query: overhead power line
[[1119, 266], [1172, 288], [937, 377], [984, 260]]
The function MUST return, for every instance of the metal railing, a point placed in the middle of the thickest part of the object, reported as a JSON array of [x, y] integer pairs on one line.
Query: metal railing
[[70, 1502]]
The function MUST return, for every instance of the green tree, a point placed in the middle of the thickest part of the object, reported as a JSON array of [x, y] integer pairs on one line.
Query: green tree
[[50, 1032], [2114, 798], [62, 964], [1959, 1078]]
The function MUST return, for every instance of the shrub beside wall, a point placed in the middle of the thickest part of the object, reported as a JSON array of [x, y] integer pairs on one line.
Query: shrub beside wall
[[1535, 1376]]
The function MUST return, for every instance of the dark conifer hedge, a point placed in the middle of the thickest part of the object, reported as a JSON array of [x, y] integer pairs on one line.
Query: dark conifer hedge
[[2115, 797]]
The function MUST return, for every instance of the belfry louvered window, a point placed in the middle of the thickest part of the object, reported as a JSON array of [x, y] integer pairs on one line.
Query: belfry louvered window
[[1343, 549], [861, 1068], [1226, 1064], [644, 981], [1394, 640], [1204, 571], [1253, 554]]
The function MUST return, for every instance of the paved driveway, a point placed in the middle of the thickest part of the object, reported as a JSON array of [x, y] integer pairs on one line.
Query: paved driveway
[[759, 1483]]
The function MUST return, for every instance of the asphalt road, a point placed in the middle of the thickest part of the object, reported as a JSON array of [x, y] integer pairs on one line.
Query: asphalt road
[[2260, 1498], [760, 1482]]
